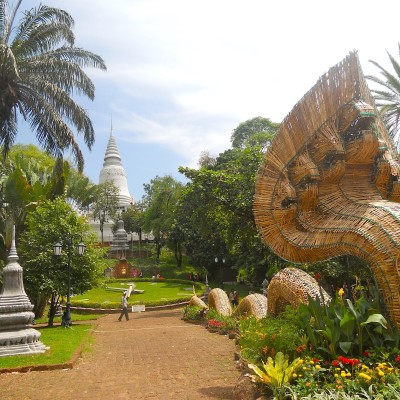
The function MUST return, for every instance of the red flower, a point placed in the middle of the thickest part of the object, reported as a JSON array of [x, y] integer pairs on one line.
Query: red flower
[[335, 363], [316, 360], [366, 354], [348, 361], [317, 276], [397, 359]]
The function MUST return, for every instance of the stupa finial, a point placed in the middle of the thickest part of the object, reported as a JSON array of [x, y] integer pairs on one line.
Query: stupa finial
[[13, 256]]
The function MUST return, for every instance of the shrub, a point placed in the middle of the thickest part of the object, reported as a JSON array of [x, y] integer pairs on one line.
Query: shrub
[[221, 322], [193, 313], [344, 327], [260, 339]]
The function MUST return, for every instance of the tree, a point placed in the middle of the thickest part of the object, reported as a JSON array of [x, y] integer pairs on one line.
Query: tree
[[254, 132], [40, 70], [45, 276], [161, 201], [388, 98], [133, 218], [106, 204], [216, 213], [221, 200], [29, 176]]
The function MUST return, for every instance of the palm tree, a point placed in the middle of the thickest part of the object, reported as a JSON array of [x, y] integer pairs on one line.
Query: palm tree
[[388, 99], [40, 70]]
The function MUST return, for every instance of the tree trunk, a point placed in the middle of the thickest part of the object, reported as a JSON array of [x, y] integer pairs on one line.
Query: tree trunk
[[54, 304], [178, 254]]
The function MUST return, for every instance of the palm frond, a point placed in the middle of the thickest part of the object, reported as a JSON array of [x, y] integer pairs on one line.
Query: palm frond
[[40, 71], [36, 18]]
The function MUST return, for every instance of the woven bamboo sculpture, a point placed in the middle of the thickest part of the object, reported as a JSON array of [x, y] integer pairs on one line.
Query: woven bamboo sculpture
[[293, 286], [218, 299], [197, 302], [254, 304], [329, 184]]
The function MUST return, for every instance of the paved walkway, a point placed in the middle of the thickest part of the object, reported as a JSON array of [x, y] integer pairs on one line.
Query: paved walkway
[[155, 355]]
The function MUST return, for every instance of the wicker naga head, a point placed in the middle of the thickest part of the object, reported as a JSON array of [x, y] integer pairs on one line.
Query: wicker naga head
[[329, 184]]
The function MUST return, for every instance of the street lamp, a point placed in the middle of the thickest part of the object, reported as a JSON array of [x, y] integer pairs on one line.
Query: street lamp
[[80, 250], [221, 261]]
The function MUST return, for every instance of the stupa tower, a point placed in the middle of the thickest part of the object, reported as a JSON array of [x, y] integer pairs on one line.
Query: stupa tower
[[114, 172]]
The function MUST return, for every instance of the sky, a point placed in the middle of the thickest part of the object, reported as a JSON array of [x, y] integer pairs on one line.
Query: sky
[[183, 74]]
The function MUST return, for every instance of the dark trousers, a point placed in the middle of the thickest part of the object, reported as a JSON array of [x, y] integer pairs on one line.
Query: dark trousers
[[124, 312]]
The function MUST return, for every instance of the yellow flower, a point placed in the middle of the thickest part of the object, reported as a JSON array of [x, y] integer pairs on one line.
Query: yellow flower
[[348, 374], [317, 367], [294, 375], [336, 375], [341, 292], [311, 362], [381, 373], [364, 376]]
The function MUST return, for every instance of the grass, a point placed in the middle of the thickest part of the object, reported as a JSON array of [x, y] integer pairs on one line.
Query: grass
[[62, 342], [74, 317], [154, 292]]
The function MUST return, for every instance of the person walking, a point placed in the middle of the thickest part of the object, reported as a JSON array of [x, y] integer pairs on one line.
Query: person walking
[[235, 298], [124, 304]]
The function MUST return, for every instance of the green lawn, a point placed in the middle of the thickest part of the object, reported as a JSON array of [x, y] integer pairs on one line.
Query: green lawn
[[62, 342], [154, 292], [74, 317]]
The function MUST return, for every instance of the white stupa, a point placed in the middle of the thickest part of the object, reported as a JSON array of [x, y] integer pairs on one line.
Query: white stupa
[[114, 172]]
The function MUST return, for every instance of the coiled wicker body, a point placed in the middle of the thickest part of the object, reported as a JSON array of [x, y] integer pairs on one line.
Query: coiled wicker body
[[197, 301], [254, 304], [218, 299], [292, 286]]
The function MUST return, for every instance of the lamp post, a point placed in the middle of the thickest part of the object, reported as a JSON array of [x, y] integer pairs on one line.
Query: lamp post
[[221, 261], [80, 250]]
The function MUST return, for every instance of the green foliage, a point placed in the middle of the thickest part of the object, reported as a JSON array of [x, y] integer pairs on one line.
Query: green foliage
[[161, 203], [387, 97], [156, 293], [30, 176], [63, 344], [105, 204], [217, 216], [260, 338], [133, 218], [226, 323], [254, 132], [45, 275], [343, 326], [193, 313], [277, 373]]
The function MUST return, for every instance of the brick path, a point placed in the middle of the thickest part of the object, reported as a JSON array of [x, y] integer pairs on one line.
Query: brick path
[[154, 355]]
